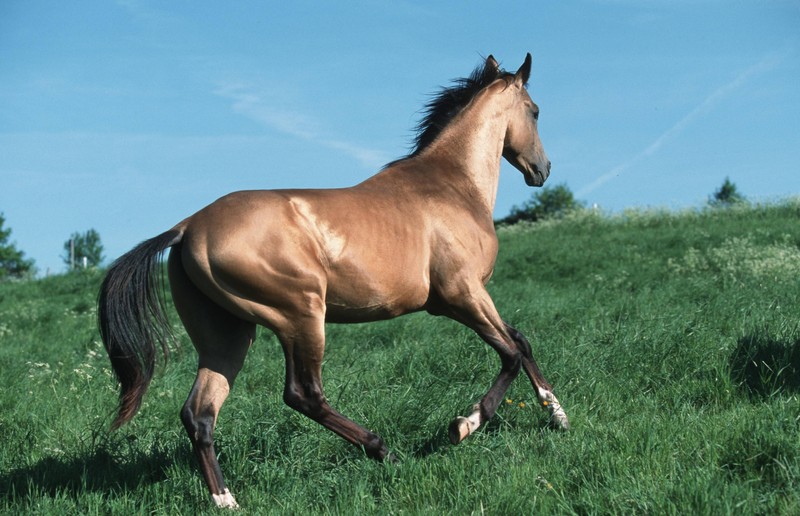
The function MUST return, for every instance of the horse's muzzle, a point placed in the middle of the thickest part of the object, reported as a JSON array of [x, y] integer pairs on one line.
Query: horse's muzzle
[[538, 176]]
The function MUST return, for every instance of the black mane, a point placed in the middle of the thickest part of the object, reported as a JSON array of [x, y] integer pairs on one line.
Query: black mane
[[445, 105]]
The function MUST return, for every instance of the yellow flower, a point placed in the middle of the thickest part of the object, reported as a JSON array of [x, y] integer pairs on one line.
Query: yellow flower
[[521, 404], [509, 401]]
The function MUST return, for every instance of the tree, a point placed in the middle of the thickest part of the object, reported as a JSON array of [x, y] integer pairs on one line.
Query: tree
[[727, 195], [83, 245], [12, 261], [549, 202]]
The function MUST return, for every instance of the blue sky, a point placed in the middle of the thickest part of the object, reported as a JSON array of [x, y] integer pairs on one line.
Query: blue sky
[[128, 116]]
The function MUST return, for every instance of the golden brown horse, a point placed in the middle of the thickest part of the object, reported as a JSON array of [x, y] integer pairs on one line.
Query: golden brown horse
[[416, 236]]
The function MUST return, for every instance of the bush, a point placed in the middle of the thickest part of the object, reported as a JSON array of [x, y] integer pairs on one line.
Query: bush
[[12, 261], [547, 203]]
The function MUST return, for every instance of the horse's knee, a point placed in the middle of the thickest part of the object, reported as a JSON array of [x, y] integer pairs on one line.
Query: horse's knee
[[512, 362], [509, 352], [520, 340]]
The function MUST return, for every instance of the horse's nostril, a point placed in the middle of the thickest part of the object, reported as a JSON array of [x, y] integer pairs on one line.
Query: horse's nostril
[[548, 165]]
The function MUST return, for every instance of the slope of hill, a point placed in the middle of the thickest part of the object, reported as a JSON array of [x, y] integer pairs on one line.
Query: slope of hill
[[672, 339]]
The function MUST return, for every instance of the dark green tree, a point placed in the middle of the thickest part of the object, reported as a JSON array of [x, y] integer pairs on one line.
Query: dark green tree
[[549, 202], [83, 245], [12, 261], [726, 195]]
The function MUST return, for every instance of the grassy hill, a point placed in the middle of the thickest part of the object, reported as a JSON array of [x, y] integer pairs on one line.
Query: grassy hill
[[672, 340]]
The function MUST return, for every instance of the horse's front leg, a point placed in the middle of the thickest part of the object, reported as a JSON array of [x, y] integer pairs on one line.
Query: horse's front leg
[[461, 427], [544, 391], [478, 312]]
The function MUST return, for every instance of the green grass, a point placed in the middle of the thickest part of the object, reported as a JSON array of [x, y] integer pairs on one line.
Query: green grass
[[671, 339]]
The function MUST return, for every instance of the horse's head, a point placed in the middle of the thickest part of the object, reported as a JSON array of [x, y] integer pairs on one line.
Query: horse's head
[[522, 147]]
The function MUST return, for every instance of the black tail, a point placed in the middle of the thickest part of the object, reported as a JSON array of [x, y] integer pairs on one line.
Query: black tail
[[133, 320]]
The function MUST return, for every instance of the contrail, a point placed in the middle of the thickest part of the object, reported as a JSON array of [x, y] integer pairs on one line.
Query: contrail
[[255, 107], [767, 63]]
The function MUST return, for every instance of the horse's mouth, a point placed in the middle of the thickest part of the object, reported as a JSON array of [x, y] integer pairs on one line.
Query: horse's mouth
[[535, 178]]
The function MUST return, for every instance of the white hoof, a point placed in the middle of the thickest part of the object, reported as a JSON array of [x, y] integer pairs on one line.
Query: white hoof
[[459, 430], [225, 500], [558, 418], [461, 427]]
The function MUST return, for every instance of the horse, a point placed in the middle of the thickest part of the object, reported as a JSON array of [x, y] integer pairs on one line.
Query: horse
[[417, 236]]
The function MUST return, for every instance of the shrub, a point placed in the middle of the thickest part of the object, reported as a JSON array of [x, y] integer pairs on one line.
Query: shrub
[[549, 202]]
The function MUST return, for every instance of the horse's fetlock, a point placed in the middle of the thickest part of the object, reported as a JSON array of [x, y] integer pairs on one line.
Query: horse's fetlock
[[374, 441], [375, 447]]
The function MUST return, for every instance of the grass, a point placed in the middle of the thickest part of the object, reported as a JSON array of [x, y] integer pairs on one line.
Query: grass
[[671, 339]]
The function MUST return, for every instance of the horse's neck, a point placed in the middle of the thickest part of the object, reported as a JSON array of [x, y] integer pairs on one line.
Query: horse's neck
[[473, 143]]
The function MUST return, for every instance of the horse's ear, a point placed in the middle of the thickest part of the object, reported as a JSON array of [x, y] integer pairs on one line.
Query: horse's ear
[[491, 65], [524, 72]]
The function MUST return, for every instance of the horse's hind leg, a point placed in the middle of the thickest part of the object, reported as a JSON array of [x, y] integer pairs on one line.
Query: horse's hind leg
[[303, 346], [222, 341], [543, 389]]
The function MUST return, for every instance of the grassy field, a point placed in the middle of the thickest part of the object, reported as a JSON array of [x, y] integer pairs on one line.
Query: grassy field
[[671, 339]]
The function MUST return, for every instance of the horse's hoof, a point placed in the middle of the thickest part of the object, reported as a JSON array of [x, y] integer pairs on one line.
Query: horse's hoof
[[458, 430], [225, 500], [558, 420]]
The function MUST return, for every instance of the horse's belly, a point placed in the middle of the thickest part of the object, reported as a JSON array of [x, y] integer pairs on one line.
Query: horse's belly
[[349, 314], [370, 298]]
